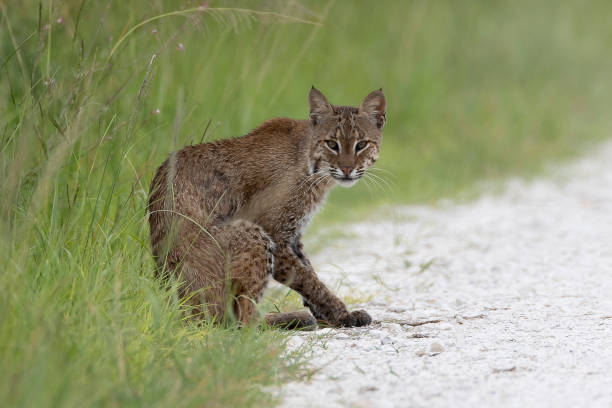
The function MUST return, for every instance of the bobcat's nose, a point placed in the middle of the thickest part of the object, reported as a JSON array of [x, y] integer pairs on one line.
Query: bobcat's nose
[[346, 170]]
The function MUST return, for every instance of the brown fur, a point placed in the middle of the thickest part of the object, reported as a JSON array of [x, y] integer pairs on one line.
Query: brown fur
[[225, 215]]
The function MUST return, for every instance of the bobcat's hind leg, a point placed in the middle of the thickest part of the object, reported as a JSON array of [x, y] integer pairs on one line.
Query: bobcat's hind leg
[[227, 267], [250, 262]]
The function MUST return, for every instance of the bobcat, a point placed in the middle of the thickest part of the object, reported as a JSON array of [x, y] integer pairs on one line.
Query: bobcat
[[227, 215]]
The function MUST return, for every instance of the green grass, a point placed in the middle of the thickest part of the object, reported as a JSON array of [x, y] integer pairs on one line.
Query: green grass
[[476, 91]]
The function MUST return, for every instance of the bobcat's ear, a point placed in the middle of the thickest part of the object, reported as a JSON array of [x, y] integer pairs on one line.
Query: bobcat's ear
[[374, 105], [318, 105]]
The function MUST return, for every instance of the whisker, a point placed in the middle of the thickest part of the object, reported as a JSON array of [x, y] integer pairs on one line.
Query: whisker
[[382, 180], [371, 180], [367, 184], [312, 181], [390, 173], [377, 182], [310, 178], [320, 181]]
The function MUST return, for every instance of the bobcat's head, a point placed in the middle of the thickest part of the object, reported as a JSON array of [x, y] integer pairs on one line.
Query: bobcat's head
[[346, 140]]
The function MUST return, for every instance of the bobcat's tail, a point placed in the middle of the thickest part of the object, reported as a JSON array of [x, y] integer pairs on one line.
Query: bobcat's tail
[[292, 320]]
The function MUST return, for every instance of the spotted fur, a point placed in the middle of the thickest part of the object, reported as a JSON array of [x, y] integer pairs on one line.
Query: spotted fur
[[226, 215]]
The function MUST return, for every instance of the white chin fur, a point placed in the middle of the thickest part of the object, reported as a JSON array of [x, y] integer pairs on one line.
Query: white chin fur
[[346, 183]]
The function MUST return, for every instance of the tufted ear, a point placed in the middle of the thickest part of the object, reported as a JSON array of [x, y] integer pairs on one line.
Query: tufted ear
[[375, 106], [318, 105]]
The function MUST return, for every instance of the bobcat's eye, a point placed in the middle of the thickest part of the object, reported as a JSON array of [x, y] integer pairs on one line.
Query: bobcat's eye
[[361, 145], [332, 144]]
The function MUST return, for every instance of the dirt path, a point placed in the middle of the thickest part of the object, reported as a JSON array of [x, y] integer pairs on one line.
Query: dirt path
[[517, 289]]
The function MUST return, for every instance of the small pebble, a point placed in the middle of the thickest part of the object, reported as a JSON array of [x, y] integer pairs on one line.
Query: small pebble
[[436, 347], [386, 340]]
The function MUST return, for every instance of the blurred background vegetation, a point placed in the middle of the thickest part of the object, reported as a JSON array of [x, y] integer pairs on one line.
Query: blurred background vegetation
[[476, 91]]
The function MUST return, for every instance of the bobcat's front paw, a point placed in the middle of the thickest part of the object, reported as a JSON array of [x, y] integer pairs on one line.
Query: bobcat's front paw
[[356, 318]]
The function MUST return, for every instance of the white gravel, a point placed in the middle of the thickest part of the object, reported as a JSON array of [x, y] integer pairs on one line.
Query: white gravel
[[518, 286]]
